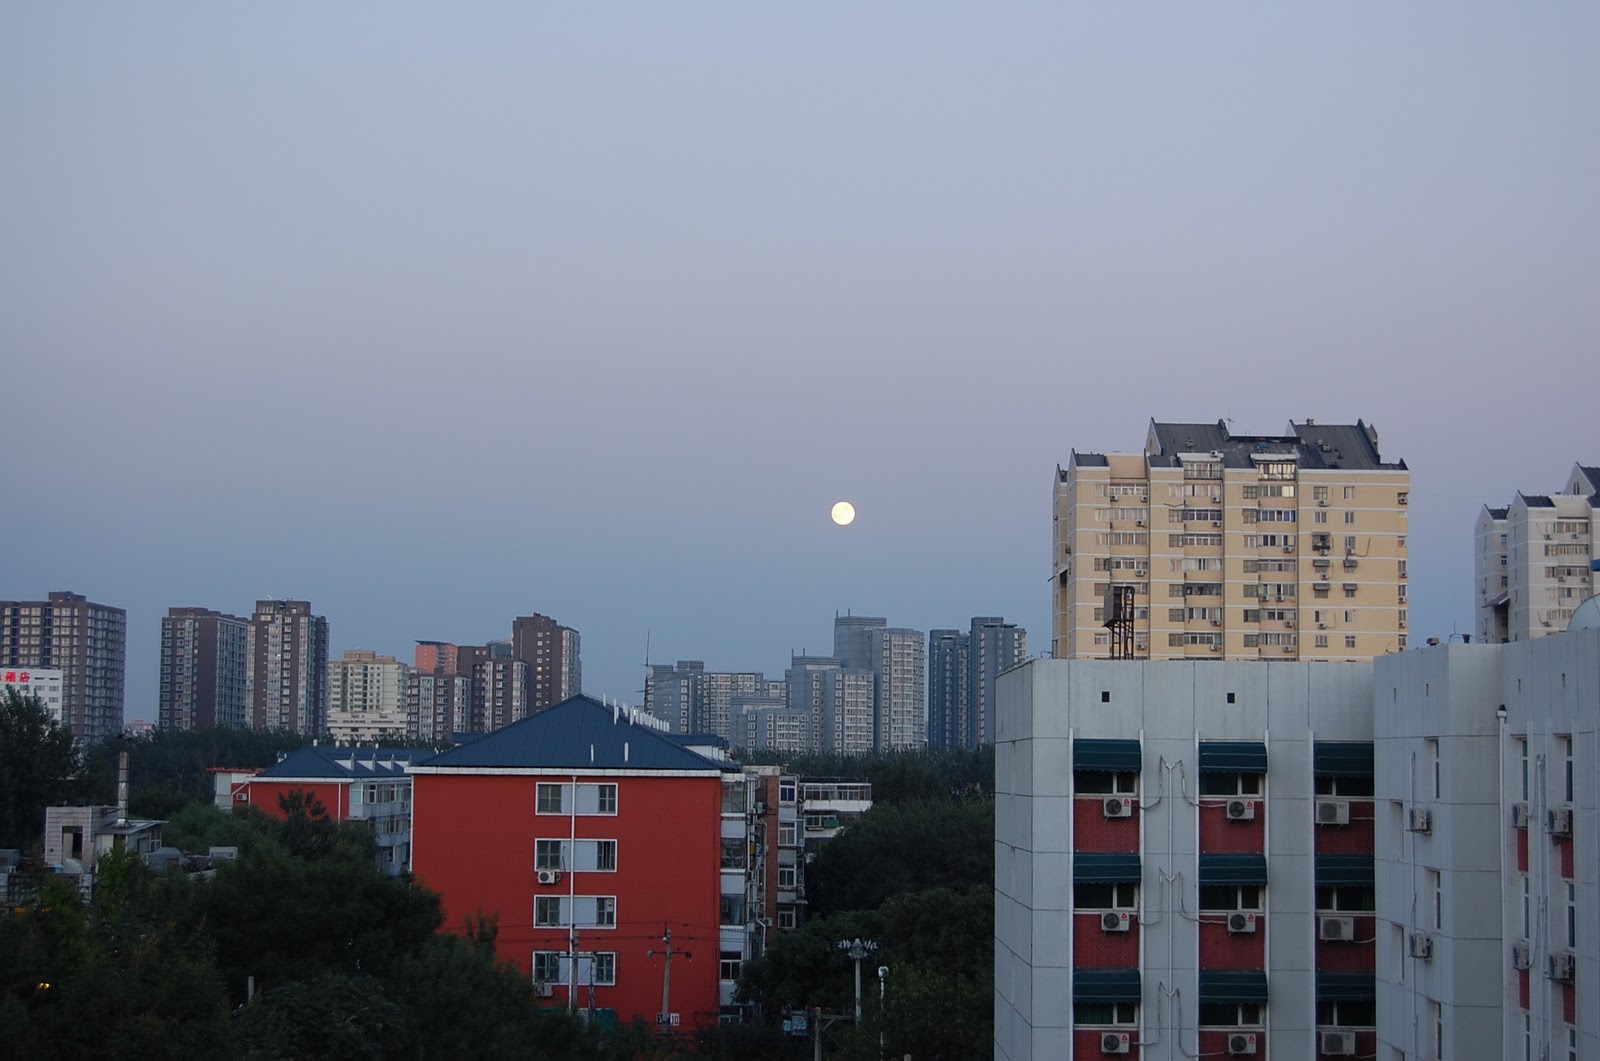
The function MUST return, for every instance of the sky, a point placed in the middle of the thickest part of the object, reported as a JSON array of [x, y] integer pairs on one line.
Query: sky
[[436, 315]]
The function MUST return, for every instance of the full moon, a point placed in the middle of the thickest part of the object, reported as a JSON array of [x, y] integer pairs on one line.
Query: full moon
[[844, 513]]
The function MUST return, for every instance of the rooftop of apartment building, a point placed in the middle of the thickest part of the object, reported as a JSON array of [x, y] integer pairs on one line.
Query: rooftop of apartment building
[[1313, 446], [580, 732], [316, 762]]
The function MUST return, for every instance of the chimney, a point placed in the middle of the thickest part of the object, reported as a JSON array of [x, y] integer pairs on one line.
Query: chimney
[[122, 787]]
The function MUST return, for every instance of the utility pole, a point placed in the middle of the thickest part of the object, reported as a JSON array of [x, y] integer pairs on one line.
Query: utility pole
[[665, 1017], [855, 950]]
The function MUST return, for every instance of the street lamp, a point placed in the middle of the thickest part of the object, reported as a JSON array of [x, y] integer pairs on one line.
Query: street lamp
[[883, 976], [855, 950]]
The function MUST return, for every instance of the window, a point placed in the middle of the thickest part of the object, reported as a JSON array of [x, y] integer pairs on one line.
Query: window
[[549, 800], [1108, 1014], [605, 967], [593, 911], [1527, 909], [733, 852], [1348, 1014], [1572, 914], [731, 910], [1436, 898], [786, 790], [1319, 516], [1350, 641], [607, 799], [593, 856], [1350, 519], [1349, 493], [1566, 754], [591, 799], [1360, 899], [1320, 493], [786, 917], [1436, 1027], [786, 834], [1349, 544], [1218, 784], [728, 967], [1105, 896], [1230, 897], [547, 966], [1522, 755], [1230, 1015], [786, 877], [1433, 763], [547, 911], [1099, 782], [547, 854]]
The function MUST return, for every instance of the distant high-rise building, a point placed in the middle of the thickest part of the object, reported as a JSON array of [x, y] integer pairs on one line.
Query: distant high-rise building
[[205, 670], [41, 683], [552, 654], [767, 722], [1272, 547], [438, 704], [837, 703], [947, 687], [437, 657], [1535, 559], [852, 636], [367, 698], [289, 667], [691, 699], [900, 671], [994, 645], [501, 687], [86, 642]]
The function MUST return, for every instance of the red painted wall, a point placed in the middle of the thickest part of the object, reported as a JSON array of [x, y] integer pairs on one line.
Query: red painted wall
[[334, 797], [1357, 838], [1219, 835], [1564, 854], [473, 842], [1360, 954], [1221, 949], [1522, 850], [1215, 1041], [1095, 948], [1086, 1044], [1093, 831]]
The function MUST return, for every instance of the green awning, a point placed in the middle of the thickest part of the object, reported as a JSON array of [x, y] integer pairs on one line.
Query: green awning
[[1110, 756], [1232, 869], [1338, 871], [1105, 869], [1346, 985], [1342, 758], [1232, 985], [1105, 985], [1233, 757]]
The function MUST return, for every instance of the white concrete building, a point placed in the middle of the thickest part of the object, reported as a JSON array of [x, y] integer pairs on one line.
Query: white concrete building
[[1184, 860], [1535, 559], [367, 698], [1488, 874], [40, 682]]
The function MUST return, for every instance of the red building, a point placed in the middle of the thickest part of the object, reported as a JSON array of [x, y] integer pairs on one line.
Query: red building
[[592, 836], [352, 784]]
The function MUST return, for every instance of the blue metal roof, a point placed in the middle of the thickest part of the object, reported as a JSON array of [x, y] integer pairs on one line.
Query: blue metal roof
[[344, 764], [576, 734]]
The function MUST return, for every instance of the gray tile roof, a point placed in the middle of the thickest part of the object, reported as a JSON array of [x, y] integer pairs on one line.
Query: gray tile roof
[[1314, 446], [1497, 513], [576, 734], [1536, 500]]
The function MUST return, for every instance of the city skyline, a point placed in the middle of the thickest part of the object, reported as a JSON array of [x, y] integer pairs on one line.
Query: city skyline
[[633, 296]]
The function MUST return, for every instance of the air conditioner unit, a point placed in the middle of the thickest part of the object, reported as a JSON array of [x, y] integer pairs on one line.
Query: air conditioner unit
[[544, 990], [1561, 966], [1243, 1043], [1322, 626], [1113, 1043], [1521, 954], [1241, 810], [1324, 576], [1420, 945], [549, 876], [1112, 921], [1333, 812], [1289, 623], [1421, 821], [1403, 499], [1519, 815], [1288, 548], [1336, 929], [1215, 647], [1118, 808], [1138, 523], [1338, 1044], [1216, 622], [1279, 597], [1322, 502], [1402, 624], [1288, 648], [1561, 822], [1561, 578], [1216, 523], [1145, 498], [1241, 924]]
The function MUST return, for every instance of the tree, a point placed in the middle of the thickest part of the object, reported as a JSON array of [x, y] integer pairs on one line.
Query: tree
[[893, 849], [38, 768]]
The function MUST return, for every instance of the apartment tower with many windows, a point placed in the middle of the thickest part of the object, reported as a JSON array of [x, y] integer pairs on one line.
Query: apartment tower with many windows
[[205, 670], [86, 642], [1273, 547], [1535, 559]]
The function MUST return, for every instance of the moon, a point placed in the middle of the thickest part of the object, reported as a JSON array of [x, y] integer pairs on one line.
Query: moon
[[844, 513]]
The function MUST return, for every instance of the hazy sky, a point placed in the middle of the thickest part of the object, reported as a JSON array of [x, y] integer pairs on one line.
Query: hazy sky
[[440, 314]]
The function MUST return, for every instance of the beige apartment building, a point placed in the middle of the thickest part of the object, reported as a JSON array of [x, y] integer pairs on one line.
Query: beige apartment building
[[1277, 547]]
